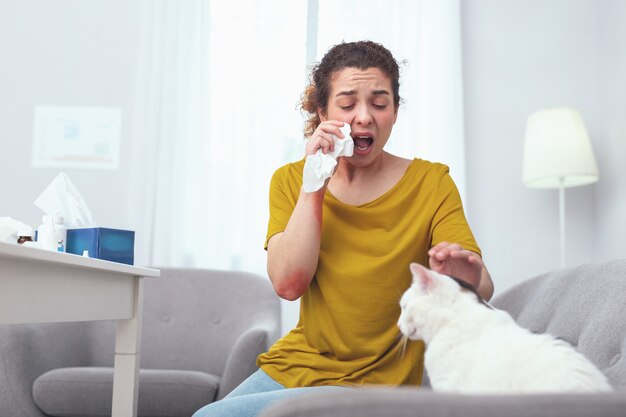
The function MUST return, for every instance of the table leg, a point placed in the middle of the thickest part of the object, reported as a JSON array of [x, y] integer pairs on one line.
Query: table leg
[[127, 354]]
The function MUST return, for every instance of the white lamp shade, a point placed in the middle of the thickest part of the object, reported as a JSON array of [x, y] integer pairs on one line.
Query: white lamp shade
[[557, 150]]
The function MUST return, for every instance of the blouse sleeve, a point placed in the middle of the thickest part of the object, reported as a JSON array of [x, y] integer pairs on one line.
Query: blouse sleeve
[[449, 222], [282, 202]]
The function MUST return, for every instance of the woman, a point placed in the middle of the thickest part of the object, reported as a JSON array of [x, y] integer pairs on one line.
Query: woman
[[345, 249]]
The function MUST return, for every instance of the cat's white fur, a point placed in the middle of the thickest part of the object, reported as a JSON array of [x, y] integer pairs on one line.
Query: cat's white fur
[[474, 349]]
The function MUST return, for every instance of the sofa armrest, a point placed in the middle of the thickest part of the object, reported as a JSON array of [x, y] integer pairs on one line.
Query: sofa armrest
[[413, 402], [29, 350], [242, 359]]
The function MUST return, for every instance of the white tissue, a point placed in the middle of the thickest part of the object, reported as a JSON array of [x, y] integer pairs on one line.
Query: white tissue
[[61, 198], [10, 228], [319, 167]]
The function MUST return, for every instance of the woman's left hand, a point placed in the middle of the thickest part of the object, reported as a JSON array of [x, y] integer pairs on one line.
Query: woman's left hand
[[451, 259]]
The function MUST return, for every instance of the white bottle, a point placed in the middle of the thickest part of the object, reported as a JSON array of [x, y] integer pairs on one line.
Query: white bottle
[[46, 234], [44, 220]]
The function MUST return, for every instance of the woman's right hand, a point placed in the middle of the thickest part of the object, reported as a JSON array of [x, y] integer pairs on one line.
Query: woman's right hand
[[322, 138]]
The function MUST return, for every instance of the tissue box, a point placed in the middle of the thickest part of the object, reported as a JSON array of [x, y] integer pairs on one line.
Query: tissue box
[[102, 243]]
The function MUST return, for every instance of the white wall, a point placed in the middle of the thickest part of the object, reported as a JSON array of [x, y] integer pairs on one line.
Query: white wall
[[64, 53], [521, 56], [610, 201]]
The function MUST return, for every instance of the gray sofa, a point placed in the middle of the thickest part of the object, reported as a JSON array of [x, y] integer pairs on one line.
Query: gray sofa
[[585, 305], [202, 331]]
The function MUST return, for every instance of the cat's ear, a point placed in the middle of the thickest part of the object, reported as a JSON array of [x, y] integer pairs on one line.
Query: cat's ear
[[421, 276]]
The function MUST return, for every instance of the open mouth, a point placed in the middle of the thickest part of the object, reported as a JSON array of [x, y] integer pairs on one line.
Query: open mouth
[[362, 143]]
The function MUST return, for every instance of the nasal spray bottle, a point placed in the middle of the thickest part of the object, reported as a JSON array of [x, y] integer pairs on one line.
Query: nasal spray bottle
[[61, 232]]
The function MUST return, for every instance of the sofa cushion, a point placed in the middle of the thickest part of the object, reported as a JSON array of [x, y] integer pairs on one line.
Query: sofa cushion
[[88, 392]]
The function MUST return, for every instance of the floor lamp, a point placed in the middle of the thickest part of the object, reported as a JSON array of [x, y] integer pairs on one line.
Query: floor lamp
[[558, 154]]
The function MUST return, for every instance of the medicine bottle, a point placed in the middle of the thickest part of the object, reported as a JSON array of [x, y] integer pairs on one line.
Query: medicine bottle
[[51, 231], [46, 233], [25, 234]]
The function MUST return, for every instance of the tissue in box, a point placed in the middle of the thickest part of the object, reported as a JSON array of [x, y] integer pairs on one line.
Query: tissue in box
[[102, 243]]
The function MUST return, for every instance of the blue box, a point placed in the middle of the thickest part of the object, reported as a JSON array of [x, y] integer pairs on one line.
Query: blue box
[[109, 244]]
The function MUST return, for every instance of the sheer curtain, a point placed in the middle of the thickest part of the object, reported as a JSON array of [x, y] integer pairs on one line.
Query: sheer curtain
[[218, 85], [216, 112]]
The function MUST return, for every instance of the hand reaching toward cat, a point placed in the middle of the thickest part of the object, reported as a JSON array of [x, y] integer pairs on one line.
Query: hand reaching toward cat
[[451, 259]]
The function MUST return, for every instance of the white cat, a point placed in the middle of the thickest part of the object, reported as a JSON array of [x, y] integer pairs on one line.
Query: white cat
[[473, 348]]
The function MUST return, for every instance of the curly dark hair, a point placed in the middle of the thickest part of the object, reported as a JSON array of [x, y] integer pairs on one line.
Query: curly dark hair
[[361, 55]]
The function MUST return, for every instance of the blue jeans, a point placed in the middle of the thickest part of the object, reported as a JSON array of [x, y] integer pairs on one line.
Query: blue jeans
[[253, 395]]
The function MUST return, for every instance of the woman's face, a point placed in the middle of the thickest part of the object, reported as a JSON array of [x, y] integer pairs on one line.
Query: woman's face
[[363, 98]]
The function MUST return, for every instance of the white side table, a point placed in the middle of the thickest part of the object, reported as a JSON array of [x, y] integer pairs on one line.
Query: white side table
[[40, 286]]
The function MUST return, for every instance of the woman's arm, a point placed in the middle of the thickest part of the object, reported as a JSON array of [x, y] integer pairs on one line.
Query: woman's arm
[[292, 255], [485, 288]]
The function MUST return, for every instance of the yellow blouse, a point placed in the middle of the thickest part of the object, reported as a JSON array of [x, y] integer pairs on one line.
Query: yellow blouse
[[347, 332]]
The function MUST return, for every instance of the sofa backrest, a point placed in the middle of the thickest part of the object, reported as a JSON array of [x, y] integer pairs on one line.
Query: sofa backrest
[[193, 317], [586, 306]]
